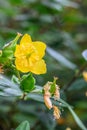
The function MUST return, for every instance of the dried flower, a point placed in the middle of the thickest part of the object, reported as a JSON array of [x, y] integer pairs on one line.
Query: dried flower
[[57, 93], [47, 100], [47, 95], [56, 112], [47, 87], [51, 89]]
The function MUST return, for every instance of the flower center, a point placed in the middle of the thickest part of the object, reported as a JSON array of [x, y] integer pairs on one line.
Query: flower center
[[31, 58]]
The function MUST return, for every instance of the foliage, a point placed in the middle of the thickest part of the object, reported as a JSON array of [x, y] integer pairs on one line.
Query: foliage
[[61, 24]]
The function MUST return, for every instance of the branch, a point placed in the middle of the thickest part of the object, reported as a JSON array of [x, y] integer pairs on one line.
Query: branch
[[75, 77]]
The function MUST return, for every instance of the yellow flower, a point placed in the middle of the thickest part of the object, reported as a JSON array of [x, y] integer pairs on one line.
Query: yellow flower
[[29, 56], [85, 75]]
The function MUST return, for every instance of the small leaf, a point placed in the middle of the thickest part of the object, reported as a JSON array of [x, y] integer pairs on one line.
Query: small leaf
[[15, 79], [53, 86], [13, 92], [23, 126], [28, 83], [11, 45], [8, 50]]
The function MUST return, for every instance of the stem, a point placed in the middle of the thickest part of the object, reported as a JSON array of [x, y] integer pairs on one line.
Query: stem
[[23, 96], [16, 72], [18, 75], [75, 77]]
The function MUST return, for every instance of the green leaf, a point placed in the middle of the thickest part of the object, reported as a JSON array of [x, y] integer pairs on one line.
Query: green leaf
[[78, 121], [8, 88], [8, 50], [27, 83], [11, 45], [36, 97], [60, 58], [78, 85], [15, 79], [24, 126], [53, 86], [76, 118]]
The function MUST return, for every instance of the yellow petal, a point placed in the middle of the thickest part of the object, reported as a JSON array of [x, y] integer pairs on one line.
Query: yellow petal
[[18, 51], [24, 49], [22, 64], [39, 67], [26, 39], [40, 47]]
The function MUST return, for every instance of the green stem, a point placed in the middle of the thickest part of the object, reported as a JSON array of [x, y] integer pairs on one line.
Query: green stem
[[18, 75]]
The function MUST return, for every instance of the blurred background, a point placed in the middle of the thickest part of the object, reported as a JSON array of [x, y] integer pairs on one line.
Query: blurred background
[[62, 25]]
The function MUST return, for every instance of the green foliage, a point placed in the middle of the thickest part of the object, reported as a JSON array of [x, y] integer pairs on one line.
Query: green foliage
[[27, 83], [53, 86], [23, 126], [78, 121], [62, 24], [8, 51]]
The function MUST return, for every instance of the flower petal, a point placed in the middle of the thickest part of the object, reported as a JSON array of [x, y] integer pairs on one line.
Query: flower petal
[[40, 47], [18, 51], [22, 64], [39, 67], [24, 49], [26, 39]]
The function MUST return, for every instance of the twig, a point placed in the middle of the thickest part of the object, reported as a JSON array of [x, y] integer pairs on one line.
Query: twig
[[75, 77]]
